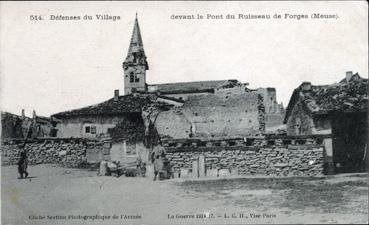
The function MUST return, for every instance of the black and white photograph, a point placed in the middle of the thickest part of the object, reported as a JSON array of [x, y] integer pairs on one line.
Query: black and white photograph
[[184, 112]]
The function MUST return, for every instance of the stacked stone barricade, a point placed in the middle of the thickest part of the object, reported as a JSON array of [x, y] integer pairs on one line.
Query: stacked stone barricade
[[62, 151], [276, 156]]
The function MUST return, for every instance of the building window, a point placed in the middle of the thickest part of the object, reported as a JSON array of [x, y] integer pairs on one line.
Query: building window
[[93, 129], [53, 132], [90, 129], [131, 149], [131, 77]]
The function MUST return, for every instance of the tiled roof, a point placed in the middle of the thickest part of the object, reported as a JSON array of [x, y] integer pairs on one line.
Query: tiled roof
[[345, 96], [124, 104], [186, 87]]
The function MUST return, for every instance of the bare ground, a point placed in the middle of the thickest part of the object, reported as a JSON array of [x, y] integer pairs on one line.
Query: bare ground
[[53, 193]]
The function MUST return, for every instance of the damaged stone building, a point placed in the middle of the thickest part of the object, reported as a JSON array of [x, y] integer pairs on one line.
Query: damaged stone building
[[201, 109], [220, 108], [206, 109], [340, 110], [15, 126]]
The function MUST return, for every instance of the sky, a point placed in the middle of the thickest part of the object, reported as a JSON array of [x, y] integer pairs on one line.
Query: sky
[[54, 65]]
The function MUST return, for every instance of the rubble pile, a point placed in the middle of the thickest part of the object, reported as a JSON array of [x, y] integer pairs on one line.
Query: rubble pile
[[66, 153], [345, 96]]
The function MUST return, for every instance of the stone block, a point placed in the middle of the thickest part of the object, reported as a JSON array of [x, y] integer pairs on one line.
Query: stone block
[[185, 173], [281, 165], [209, 144], [224, 172], [62, 153], [212, 173], [234, 171], [176, 174]]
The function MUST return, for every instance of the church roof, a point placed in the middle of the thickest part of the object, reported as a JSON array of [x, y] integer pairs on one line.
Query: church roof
[[191, 87]]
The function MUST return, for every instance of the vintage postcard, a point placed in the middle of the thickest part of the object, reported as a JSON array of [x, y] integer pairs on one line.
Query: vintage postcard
[[184, 112]]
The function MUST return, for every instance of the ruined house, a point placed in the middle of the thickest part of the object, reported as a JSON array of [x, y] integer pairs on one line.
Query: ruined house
[[11, 126], [15, 126], [274, 112], [215, 115], [225, 108], [340, 110], [220, 108]]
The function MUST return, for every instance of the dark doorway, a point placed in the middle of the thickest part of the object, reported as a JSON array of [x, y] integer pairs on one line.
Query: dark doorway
[[350, 136]]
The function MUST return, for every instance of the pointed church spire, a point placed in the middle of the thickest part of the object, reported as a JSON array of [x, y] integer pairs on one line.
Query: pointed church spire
[[136, 44], [135, 64]]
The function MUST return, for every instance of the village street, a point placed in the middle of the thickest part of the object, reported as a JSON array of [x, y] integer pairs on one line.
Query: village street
[[56, 195]]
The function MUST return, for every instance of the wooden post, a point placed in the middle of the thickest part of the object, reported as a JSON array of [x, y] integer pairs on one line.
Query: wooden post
[[328, 147], [103, 168], [195, 168], [202, 166], [124, 153]]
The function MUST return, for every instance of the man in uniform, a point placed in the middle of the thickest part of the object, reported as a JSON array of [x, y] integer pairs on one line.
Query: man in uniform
[[157, 157], [22, 165]]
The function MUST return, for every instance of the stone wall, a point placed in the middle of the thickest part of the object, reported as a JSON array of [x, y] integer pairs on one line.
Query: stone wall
[[65, 152], [289, 157]]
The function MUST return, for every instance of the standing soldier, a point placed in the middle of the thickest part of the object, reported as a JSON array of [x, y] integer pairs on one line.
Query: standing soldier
[[157, 157], [140, 167], [22, 165]]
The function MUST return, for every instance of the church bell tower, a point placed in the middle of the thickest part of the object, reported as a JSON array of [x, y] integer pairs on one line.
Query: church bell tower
[[135, 65]]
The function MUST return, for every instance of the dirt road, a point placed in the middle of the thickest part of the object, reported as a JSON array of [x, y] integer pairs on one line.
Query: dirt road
[[55, 195]]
